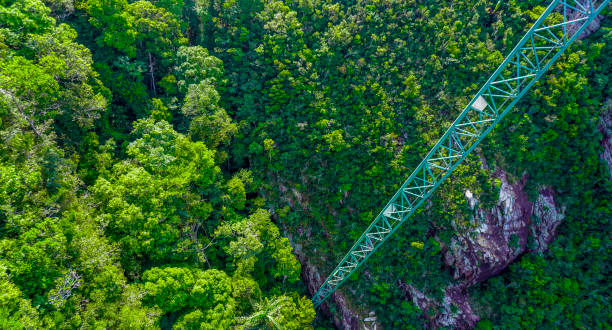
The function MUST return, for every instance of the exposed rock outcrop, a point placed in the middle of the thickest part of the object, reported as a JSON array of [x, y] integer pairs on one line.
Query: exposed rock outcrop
[[594, 26], [546, 216], [605, 127], [440, 315], [500, 234], [496, 238]]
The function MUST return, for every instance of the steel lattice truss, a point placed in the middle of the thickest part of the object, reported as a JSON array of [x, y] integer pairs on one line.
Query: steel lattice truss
[[557, 27]]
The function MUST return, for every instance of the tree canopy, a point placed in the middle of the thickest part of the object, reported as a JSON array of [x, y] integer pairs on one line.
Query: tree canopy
[[163, 162]]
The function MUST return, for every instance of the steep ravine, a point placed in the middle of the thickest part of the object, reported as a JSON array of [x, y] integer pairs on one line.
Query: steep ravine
[[499, 235], [497, 238], [346, 318]]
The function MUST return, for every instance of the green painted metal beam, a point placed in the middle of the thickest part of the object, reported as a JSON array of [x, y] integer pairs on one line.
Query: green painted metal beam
[[539, 48]]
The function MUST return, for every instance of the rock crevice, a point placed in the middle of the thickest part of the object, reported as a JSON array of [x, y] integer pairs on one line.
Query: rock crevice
[[346, 318], [501, 234]]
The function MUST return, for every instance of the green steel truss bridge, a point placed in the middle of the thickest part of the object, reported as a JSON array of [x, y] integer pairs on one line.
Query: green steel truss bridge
[[539, 48]]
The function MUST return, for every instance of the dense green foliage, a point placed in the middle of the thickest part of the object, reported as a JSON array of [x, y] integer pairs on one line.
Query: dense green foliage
[[110, 216], [153, 154]]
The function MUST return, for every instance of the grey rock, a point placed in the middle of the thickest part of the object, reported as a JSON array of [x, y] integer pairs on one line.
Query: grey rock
[[605, 127]]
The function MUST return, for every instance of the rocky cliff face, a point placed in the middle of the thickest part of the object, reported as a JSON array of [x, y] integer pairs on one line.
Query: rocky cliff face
[[443, 315], [500, 234], [594, 26], [496, 237], [605, 127]]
